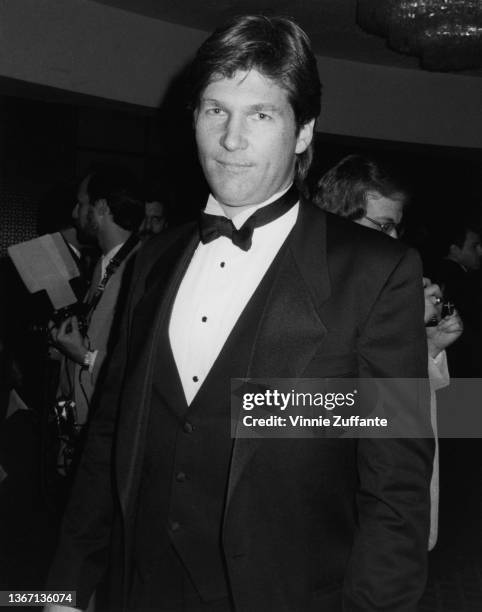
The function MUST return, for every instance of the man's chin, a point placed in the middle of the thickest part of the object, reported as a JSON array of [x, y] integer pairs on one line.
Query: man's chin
[[236, 195], [232, 200]]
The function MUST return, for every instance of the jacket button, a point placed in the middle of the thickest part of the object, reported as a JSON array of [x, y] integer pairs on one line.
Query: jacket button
[[175, 526], [180, 477], [188, 427]]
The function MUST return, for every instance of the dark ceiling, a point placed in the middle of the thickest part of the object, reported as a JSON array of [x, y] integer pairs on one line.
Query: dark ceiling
[[331, 24]]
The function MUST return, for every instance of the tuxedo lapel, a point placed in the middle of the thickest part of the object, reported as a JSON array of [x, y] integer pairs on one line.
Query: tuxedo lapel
[[156, 292], [154, 298], [290, 330]]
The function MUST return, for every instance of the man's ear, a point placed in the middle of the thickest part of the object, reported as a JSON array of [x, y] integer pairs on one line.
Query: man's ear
[[305, 136]]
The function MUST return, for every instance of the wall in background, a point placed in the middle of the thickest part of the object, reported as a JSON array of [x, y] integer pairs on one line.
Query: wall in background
[[93, 49]]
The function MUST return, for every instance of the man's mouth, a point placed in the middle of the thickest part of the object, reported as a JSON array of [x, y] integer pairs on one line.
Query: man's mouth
[[234, 166]]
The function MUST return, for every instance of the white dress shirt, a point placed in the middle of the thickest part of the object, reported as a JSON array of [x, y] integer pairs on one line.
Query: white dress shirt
[[220, 280]]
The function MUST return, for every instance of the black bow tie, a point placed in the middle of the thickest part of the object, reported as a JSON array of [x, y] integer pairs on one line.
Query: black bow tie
[[214, 226]]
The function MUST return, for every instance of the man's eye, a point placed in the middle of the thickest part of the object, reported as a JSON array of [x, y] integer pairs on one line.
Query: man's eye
[[262, 116], [215, 110]]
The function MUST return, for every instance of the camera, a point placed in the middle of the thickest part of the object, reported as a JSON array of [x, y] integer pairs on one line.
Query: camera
[[79, 310], [448, 309]]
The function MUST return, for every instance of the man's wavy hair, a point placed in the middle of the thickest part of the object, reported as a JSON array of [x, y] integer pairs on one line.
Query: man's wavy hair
[[274, 46], [343, 189], [121, 191]]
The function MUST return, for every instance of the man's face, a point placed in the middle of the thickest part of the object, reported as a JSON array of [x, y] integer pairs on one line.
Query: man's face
[[247, 139], [154, 219], [84, 215], [382, 214], [471, 252]]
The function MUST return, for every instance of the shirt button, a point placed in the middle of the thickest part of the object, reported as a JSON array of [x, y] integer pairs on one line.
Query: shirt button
[[180, 477], [188, 427], [204, 319], [175, 526], [195, 378], [222, 264]]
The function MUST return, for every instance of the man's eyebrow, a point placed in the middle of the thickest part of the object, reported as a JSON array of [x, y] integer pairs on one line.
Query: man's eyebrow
[[263, 107], [258, 107], [210, 101]]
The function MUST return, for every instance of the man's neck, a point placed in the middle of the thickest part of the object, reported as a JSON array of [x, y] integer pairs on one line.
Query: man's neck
[[232, 212], [112, 237]]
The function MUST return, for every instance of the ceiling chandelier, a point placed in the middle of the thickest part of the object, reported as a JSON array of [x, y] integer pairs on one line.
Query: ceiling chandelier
[[445, 34]]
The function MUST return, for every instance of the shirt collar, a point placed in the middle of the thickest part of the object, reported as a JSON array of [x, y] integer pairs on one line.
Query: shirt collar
[[213, 207], [112, 253], [75, 250]]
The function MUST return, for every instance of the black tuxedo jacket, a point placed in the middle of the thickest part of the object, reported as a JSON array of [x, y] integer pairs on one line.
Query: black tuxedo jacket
[[309, 524]]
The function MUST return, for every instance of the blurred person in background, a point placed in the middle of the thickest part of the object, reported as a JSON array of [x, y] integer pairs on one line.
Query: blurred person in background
[[155, 217], [457, 274]]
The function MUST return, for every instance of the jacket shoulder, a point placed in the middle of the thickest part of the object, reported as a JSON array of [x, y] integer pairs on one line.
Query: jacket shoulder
[[345, 237]]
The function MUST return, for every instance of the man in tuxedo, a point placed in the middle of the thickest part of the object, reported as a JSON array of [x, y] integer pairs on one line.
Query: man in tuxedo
[[181, 515]]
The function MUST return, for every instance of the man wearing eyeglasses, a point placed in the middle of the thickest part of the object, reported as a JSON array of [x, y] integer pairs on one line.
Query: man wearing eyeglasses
[[383, 214], [363, 191], [358, 189]]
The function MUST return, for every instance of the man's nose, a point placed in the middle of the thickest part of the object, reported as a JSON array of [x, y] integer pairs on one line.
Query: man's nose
[[234, 135], [75, 212]]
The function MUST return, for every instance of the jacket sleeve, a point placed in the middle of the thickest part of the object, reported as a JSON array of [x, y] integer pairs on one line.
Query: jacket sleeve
[[387, 568]]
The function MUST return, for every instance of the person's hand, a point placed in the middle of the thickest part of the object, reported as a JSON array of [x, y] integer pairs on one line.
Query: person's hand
[[433, 300], [444, 333], [68, 340]]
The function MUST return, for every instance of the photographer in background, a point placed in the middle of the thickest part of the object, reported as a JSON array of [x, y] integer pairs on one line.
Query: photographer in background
[[108, 213]]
